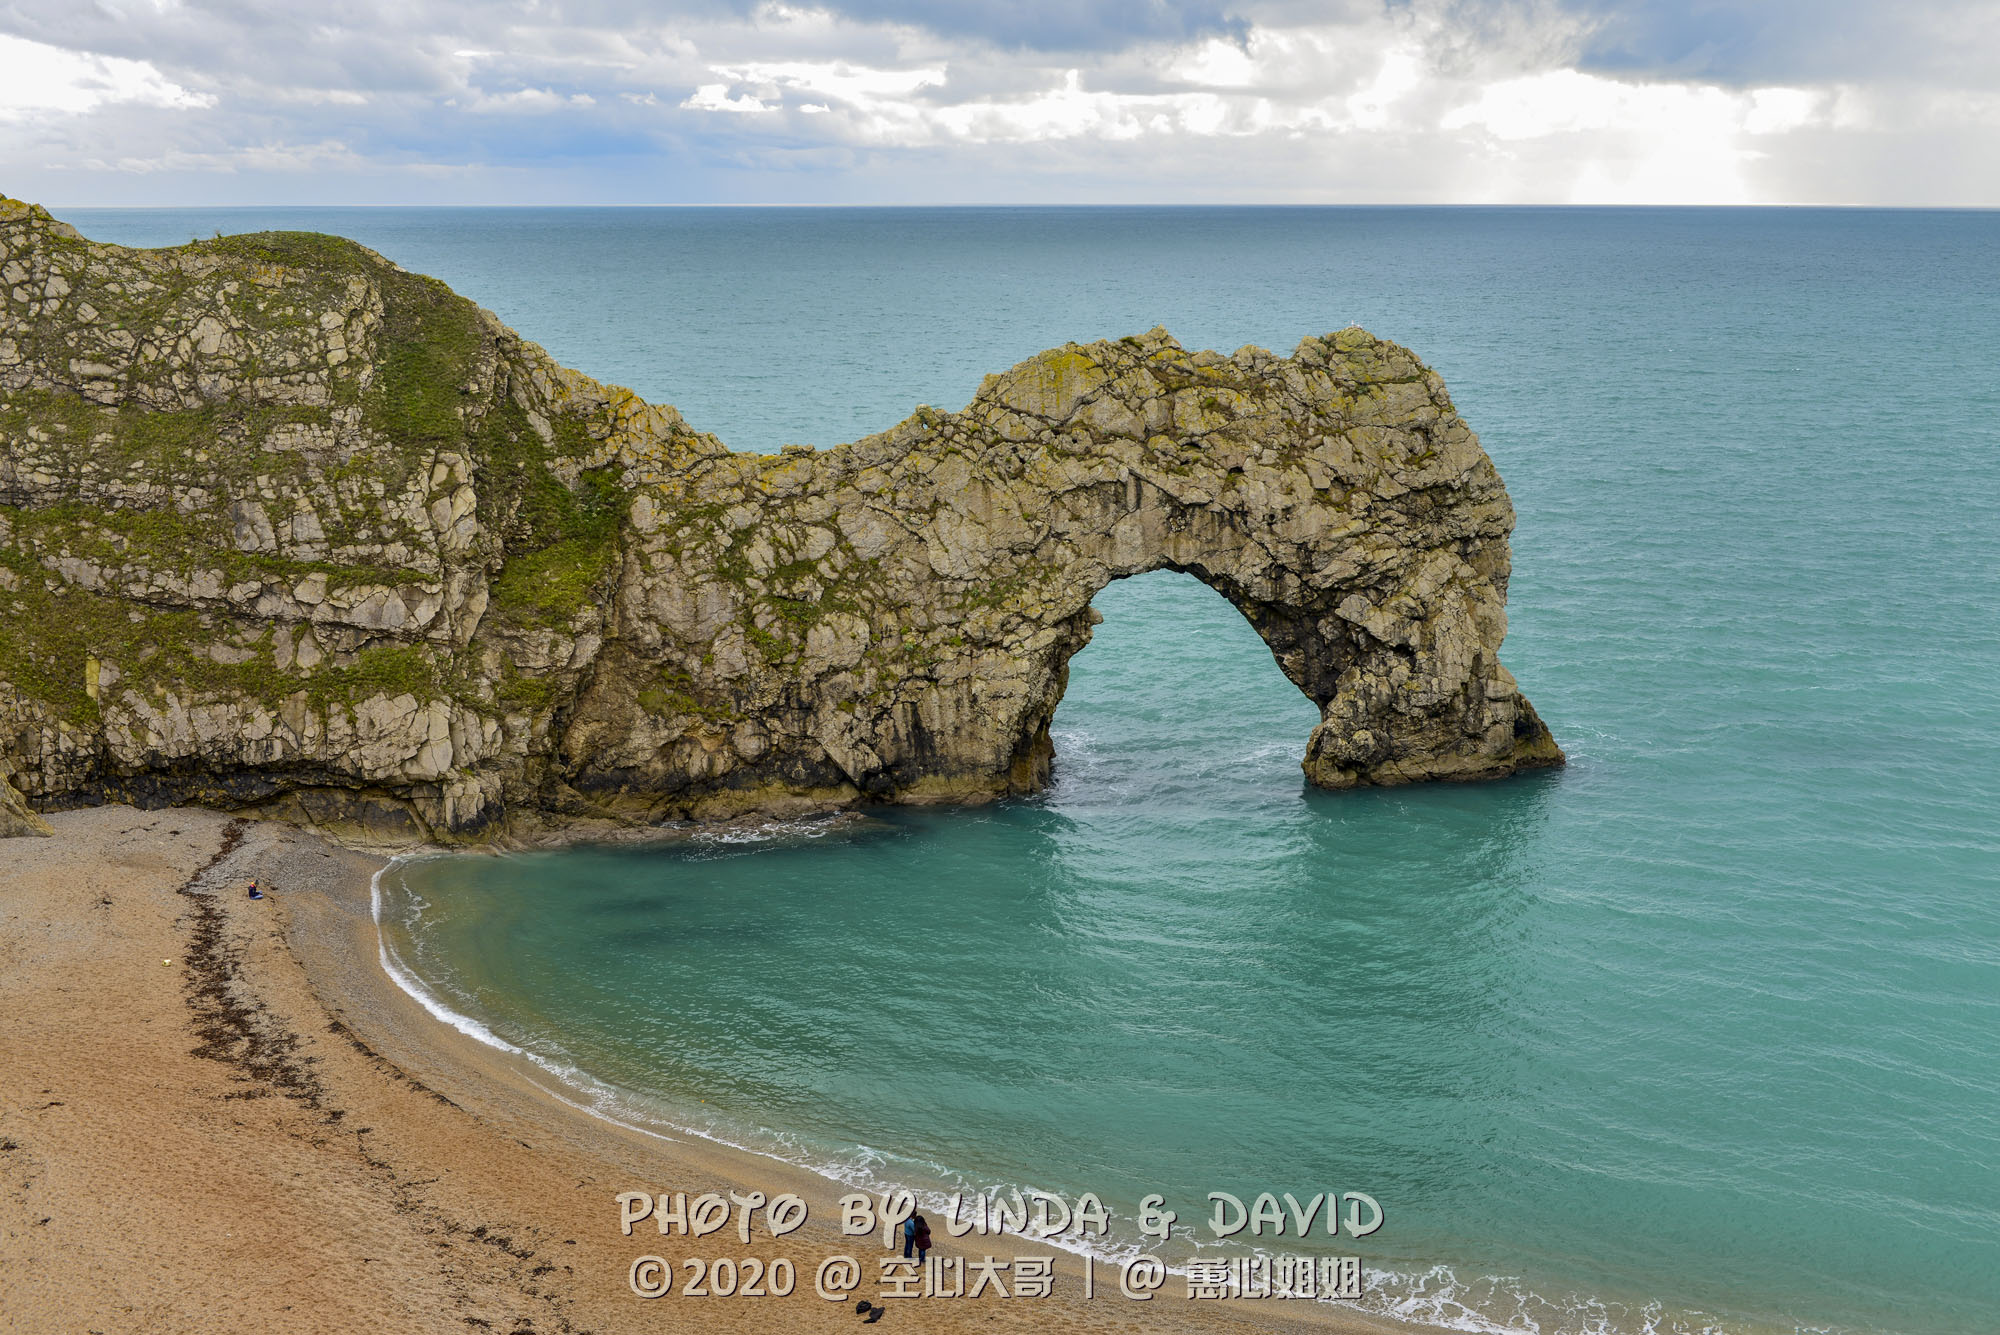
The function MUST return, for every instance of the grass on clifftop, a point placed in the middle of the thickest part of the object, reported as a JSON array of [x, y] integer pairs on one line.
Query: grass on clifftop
[[293, 250], [426, 392], [429, 343]]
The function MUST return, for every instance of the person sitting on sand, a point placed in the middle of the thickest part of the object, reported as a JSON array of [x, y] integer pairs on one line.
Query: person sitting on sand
[[255, 893]]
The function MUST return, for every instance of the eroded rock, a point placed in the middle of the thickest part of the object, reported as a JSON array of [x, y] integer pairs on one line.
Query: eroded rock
[[17, 818], [354, 550]]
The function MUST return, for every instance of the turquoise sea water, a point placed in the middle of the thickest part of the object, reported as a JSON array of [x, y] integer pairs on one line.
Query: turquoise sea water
[[1700, 1032]]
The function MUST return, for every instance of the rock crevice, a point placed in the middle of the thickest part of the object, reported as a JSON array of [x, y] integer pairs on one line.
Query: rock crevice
[[285, 528]]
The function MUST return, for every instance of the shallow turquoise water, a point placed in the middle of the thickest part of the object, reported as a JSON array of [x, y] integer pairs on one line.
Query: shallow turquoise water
[[1709, 1019]]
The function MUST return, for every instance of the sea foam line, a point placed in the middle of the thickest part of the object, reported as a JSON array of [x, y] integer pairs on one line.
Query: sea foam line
[[1434, 1297], [596, 1093]]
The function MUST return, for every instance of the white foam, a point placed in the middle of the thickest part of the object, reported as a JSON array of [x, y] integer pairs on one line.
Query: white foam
[[401, 975], [807, 827], [1436, 1296], [866, 1170], [598, 1098]]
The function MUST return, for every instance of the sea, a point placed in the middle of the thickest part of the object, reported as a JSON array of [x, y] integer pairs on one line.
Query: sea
[[1698, 1034]]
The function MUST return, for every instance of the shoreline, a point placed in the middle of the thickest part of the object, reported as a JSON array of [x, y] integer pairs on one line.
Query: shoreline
[[1426, 1295], [266, 1132]]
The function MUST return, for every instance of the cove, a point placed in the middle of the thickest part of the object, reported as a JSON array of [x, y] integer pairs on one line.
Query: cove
[[1705, 1020], [1184, 970]]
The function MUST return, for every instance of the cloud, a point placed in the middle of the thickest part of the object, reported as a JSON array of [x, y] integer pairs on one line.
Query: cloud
[[1336, 100], [1775, 41], [715, 97], [35, 77], [1056, 25], [1556, 102]]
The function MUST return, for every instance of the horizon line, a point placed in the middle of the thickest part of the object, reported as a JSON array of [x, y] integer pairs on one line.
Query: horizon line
[[850, 204]]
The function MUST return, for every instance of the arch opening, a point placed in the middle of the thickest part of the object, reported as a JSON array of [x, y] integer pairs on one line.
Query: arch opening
[[1175, 694]]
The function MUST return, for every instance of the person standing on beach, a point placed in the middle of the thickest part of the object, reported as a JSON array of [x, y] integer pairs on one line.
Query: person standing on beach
[[922, 1237], [910, 1235]]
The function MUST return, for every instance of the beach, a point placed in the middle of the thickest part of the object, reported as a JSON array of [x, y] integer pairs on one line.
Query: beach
[[1693, 1035], [220, 1114]]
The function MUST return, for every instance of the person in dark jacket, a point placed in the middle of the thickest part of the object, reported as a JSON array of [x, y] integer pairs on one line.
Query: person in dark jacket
[[922, 1237]]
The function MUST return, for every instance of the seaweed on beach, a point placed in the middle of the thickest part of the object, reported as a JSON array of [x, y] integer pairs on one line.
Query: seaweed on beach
[[383, 1064], [233, 1030]]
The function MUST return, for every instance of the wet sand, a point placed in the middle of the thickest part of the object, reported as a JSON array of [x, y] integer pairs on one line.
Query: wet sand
[[219, 1114]]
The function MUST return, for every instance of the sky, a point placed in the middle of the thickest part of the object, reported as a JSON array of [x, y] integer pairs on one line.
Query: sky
[[1853, 102]]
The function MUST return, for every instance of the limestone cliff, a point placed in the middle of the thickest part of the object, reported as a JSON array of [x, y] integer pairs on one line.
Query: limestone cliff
[[286, 528], [16, 816]]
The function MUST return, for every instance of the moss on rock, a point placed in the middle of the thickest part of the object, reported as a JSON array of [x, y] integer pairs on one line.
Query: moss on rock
[[285, 526]]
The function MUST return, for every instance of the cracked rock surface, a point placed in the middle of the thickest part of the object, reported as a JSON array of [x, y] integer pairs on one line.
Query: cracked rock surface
[[287, 529]]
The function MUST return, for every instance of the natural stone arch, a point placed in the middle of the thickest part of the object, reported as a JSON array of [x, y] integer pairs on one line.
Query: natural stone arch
[[1334, 498], [285, 528]]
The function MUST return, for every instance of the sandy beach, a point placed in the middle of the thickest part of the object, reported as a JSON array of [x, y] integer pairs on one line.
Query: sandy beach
[[219, 1114]]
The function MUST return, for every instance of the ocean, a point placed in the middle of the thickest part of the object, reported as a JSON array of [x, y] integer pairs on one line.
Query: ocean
[[1701, 1033]]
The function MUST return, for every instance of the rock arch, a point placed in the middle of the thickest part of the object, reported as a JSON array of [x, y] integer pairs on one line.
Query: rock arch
[[285, 528], [907, 605]]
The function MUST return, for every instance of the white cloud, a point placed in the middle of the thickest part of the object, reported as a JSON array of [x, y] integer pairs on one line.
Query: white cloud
[[1333, 100], [38, 78], [1375, 106], [715, 97], [282, 159], [1780, 110], [1594, 139], [1214, 64], [529, 100], [1570, 102], [1640, 142]]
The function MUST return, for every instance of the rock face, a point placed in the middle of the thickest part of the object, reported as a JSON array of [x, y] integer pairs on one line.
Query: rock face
[[288, 529], [17, 818]]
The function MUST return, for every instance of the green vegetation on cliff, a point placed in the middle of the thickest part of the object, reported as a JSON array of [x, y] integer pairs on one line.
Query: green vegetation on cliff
[[277, 515]]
